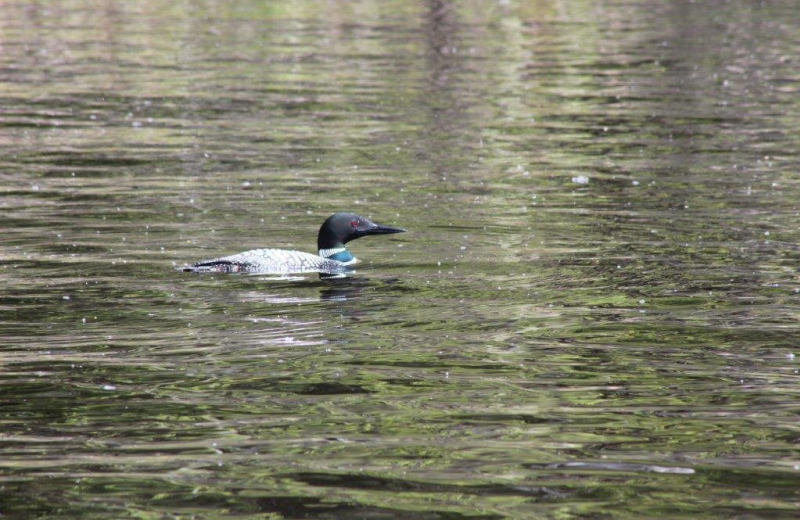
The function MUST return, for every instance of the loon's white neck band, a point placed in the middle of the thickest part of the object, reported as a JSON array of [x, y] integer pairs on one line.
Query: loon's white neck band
[[327, 253]]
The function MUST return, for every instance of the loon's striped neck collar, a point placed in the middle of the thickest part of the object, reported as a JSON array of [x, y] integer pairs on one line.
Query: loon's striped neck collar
[[340, 254]]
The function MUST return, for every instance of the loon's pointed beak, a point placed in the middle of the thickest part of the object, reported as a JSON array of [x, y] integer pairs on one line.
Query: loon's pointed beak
[[383, 230]]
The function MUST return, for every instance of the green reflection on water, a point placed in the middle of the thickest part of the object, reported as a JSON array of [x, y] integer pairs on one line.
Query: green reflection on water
[[592, 316]]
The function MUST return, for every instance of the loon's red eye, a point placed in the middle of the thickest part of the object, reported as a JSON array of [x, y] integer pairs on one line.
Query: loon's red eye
[[354, 223]]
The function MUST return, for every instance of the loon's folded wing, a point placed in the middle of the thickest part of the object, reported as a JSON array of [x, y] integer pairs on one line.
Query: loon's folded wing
[[268, 261]]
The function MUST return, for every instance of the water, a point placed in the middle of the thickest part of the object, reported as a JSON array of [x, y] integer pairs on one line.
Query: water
[[594, 313]]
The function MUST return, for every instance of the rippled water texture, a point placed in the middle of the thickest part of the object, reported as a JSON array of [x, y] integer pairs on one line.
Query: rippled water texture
[[594, 313]]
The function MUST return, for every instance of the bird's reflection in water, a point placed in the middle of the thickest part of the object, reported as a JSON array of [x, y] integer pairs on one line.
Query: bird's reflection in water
[[341, 287], [357, 296], [319, 298]]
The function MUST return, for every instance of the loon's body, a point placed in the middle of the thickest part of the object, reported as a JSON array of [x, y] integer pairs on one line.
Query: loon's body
[[333, 256], [269, 261]]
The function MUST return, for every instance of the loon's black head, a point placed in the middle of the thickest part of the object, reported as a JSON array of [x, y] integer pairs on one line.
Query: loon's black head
[[340, 228]]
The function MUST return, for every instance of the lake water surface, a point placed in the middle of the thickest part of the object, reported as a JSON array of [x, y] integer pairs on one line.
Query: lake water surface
[[594, 314]]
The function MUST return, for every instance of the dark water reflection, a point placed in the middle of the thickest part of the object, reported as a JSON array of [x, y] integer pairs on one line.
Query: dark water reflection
[[594, 314]]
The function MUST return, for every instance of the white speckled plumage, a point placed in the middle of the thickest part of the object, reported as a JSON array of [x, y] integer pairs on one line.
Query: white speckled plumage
[[270, 261]]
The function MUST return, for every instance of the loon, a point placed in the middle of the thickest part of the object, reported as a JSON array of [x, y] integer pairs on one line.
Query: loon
[[332, 257]]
